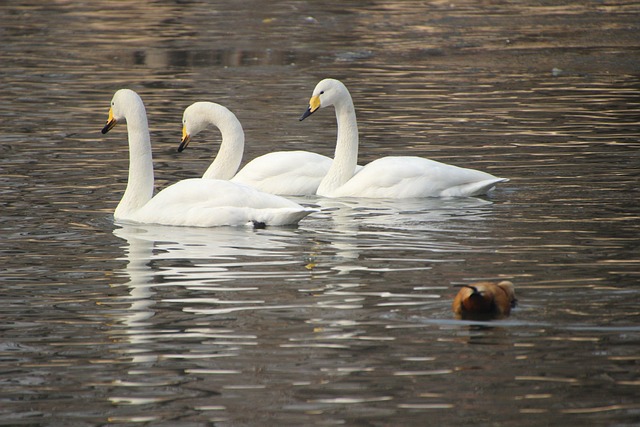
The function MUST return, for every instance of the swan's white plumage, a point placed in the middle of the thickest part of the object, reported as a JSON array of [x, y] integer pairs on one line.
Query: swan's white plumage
[[387, 177], [293, 173], [191, 202], [408, 176]]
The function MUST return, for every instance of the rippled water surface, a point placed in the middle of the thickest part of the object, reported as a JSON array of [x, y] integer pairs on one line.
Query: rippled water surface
[[345, 319]]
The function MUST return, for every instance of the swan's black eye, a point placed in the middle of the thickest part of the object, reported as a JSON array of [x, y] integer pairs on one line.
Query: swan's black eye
[[321, 92]]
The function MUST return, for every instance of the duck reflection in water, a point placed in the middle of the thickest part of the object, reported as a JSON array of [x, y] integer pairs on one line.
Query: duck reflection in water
[[485, 300]]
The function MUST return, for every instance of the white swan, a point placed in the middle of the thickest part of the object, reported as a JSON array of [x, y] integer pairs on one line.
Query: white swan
[[292, 173], [191, 202], [387, 177]]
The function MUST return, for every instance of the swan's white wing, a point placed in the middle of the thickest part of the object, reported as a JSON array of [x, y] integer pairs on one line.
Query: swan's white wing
[[407, 177], [292, 173], [209, 203]]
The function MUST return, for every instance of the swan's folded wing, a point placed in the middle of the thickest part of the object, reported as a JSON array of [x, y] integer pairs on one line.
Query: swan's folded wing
[[292, 173], [408, 177], [210, 203]]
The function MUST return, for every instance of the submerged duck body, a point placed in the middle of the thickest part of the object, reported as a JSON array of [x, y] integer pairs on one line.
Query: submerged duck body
[[485, 300]]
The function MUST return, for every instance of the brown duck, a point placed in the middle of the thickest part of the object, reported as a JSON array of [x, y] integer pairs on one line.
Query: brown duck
[[485, 300]]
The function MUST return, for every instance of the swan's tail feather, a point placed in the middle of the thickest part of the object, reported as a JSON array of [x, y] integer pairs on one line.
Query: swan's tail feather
[[285, 216], [473, 189]]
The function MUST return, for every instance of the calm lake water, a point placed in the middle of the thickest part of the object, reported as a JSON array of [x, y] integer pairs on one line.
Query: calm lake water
[[345, 319]]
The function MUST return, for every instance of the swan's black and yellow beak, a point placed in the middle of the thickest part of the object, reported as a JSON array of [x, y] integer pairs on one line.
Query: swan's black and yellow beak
[[185, 139], [111, 122], [314, 104]]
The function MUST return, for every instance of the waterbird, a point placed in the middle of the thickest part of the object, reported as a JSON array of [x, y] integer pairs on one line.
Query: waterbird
[[484, 300], [290, 173], [387, 177], [193, 202]]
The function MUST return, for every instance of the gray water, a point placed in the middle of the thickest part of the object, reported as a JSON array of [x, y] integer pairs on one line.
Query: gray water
[[345, 319]]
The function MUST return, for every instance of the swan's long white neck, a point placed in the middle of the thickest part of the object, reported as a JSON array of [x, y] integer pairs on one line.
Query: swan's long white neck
[[345, 158], [140, 184], [229, 156]]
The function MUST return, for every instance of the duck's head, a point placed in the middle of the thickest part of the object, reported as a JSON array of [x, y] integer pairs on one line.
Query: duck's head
[[123, 103], [509, 289], [327, 92]]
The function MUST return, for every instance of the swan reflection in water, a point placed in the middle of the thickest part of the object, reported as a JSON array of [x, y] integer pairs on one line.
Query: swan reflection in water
[[187, 288], [352, 225], [415, 214], [160, 257], [169, 267]]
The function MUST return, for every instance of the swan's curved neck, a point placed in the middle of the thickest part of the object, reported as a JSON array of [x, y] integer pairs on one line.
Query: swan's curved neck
[[229, 156], [140, 184], [345, 158]]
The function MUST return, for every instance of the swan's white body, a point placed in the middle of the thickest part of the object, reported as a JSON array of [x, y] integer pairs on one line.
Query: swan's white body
[[191, 202], [293, 173], [387, 177]]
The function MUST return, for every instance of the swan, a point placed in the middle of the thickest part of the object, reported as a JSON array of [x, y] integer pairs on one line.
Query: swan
[[192, 202], [386, 177], [290, 173]]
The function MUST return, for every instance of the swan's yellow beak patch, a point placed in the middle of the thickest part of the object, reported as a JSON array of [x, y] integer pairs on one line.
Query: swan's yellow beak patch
[[111, 122], [314, 103], [185, 139]]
